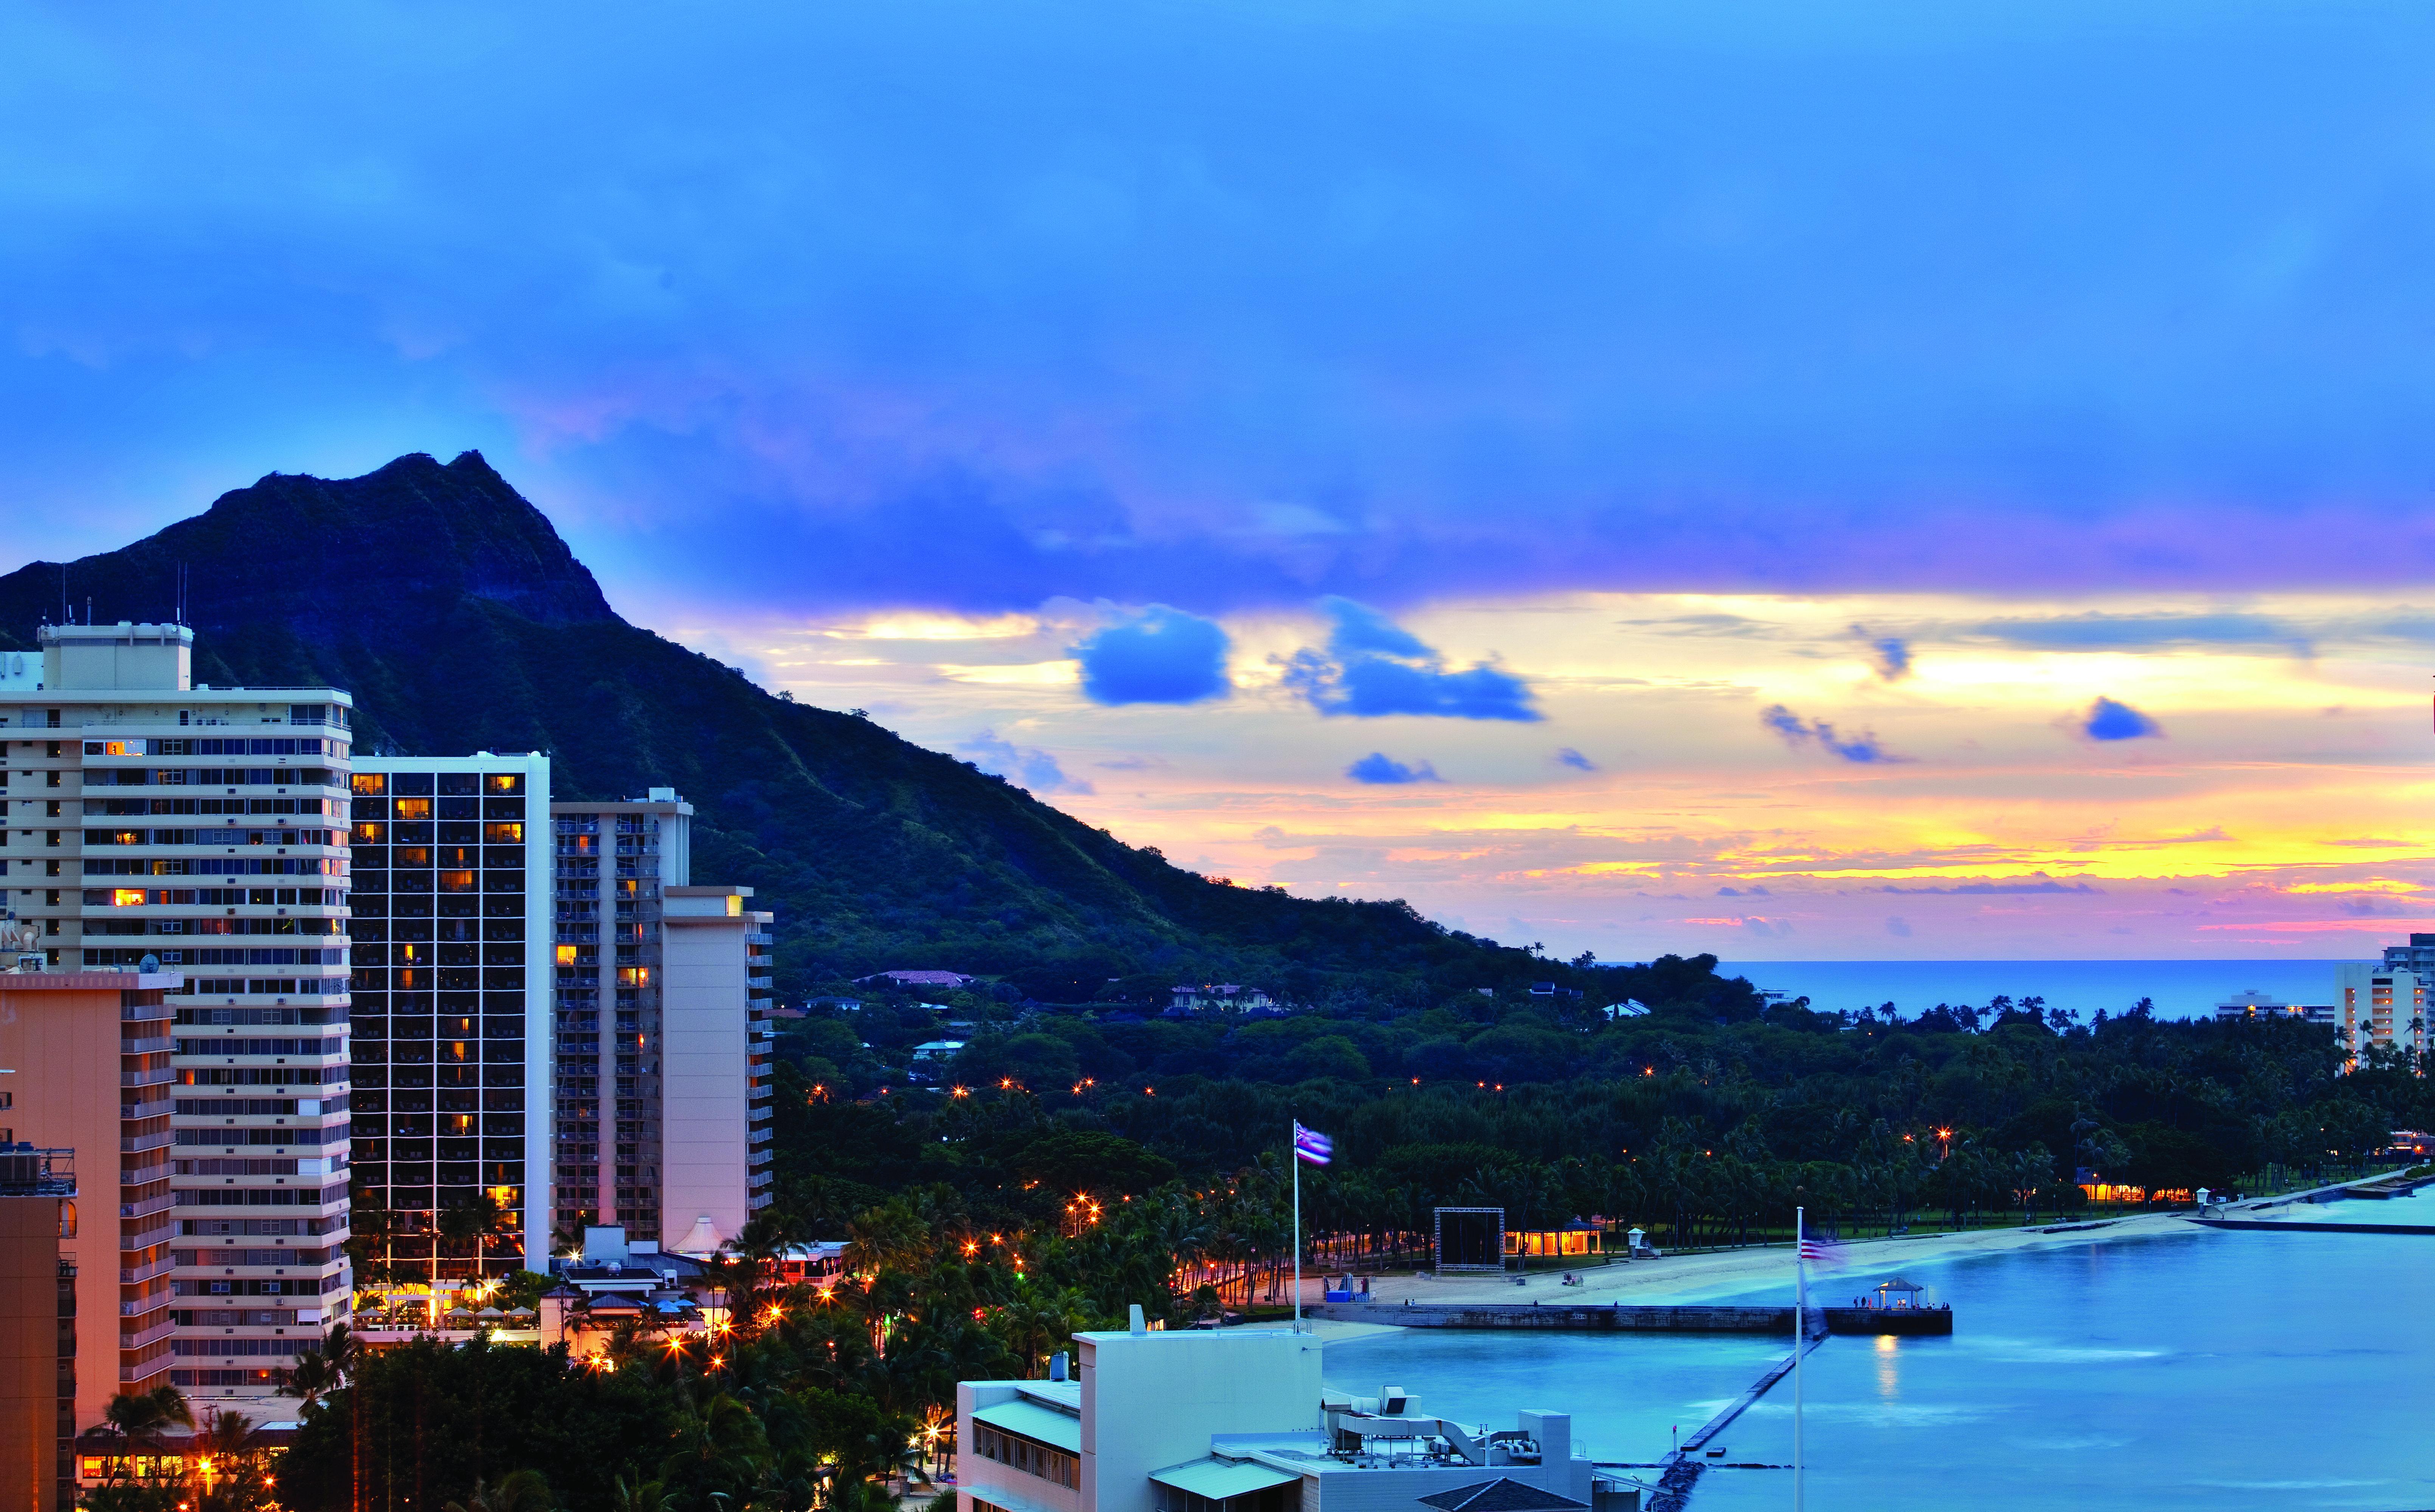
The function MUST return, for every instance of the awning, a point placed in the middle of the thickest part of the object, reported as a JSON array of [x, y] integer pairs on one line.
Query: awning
[[1034, 1421], [1219, 1479]]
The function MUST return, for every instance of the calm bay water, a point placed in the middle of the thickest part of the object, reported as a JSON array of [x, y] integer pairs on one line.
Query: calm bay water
[[2198, 1369], [2182, 990]]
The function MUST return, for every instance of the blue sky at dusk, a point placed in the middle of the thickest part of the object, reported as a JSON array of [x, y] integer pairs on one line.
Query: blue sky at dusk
[[1554, 462]]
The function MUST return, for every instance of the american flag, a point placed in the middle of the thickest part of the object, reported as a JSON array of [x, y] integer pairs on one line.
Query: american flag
[[1825, 1252], [1310, 1144]]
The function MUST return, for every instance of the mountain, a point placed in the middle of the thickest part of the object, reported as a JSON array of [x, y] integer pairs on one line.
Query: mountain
[[460, 621]]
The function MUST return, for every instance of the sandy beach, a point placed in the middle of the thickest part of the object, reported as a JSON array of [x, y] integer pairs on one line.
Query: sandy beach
[[1705, 1278]]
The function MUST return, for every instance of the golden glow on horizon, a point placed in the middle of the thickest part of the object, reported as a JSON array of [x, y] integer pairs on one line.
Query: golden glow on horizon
[[1651, 808]]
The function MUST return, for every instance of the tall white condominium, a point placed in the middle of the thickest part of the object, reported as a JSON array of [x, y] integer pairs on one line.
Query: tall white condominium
[[204, 827], [451, 986], [663, 1024]]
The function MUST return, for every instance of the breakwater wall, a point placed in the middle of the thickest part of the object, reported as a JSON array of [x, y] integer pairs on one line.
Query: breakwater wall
[[2302, 1226], [1649, 1317]]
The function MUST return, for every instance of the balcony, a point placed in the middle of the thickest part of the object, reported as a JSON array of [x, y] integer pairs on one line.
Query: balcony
[[159, 1077], [129, 1276], [136, 1144], [147, 1047], [156, 1108], [145, 1238], [149, 1304], [142, 1176], [156, 1331], [146, 1209]]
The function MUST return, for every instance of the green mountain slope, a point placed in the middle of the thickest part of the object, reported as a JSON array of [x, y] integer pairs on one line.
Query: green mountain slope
[[450, 608]]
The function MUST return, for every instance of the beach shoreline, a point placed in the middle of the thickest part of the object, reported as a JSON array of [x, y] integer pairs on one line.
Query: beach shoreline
[[1734, 1272]]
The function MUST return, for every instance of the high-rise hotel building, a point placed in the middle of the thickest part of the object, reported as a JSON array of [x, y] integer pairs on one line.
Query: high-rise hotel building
[[451, 1003], [663, 997], [202, 832]]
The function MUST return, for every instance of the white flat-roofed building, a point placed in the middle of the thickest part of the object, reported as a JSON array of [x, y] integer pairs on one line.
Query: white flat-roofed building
[[2379, 1005], [451, 979], [1237, 1420], [204, 830]]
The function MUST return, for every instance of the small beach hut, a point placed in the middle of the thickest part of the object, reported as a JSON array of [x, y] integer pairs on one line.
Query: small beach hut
[[1899, 1293]]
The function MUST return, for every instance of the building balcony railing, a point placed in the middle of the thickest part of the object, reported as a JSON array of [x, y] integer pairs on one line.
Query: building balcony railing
[[128, 1276], [149, 1304], [146, 1208], [147, 1047], [149, 1108], [157, 1076], [142, 1012], [142, 1238], [151, 1331], [145, 1175]]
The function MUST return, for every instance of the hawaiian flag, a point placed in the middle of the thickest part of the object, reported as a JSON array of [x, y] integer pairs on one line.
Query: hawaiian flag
[[1310, 1144]]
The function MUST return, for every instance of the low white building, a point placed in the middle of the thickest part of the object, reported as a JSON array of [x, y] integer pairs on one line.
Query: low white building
[[1236, 1420]]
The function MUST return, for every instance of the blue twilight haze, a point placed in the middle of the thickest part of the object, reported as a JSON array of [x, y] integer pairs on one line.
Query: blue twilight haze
[[1226, 305]]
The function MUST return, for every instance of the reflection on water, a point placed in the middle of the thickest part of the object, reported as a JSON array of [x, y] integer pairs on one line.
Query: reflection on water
[[2196, 1370]]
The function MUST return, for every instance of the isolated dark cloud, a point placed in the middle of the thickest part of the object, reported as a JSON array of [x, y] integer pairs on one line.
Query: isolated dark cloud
[[1373, 667], [969, 305], [1569, 757], [2109, 720], [1026, 766], [1798, 733], [1379, 768], [1160, 655]]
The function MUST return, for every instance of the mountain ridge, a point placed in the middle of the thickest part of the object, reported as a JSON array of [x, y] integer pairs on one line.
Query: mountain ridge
[[451, 608]]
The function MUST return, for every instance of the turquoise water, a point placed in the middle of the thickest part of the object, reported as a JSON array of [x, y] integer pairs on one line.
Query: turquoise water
[[2216, 1371], [2181, 989]]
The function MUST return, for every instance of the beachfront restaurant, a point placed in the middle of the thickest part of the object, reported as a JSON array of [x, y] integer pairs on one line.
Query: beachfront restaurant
[[1578, 1238]]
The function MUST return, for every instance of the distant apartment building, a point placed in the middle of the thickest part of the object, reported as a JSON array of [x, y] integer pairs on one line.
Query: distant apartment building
[[151, 823], [2380, 1006], [663, 991], [451, 988], [1218, 996], [2254, 1004]]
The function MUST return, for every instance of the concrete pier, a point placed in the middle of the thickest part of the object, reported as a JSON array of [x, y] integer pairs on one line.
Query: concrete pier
[[1645, 1317]]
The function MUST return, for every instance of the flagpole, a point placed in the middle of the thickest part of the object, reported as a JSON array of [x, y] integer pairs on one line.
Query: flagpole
[[1293, 1153], [1800, 1338]]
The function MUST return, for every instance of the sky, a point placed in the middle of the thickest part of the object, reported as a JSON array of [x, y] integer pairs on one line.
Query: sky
[[1818, 480]]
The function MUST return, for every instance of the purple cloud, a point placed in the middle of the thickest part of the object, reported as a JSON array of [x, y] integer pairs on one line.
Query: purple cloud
[[1378, 768], [2109, 720], [1373, 667], [1160, 655], [1796, 732], [1569, 757]]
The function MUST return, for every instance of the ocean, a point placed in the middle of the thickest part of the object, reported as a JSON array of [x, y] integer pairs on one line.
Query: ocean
[[2215, 1370], [2181, 989]]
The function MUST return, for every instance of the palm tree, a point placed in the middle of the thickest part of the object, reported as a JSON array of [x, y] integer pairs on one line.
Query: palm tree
[[321, 1370], [139, 1419], [643, 1496], [518, 1491], [473, 1221]]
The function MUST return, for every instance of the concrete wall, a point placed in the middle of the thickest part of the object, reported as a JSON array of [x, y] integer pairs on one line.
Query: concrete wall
[[29, 1353], [63, 1047], [1153, 1400], [704, 1062]]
